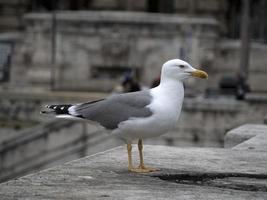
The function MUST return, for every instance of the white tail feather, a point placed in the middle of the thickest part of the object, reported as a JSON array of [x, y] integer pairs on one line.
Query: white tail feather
[[70, 117]]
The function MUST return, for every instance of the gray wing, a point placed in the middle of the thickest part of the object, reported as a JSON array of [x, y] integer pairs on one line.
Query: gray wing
[[115, 109]]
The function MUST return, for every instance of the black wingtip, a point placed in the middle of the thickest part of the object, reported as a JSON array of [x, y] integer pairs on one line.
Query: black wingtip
[[57, 109], [47, 112]]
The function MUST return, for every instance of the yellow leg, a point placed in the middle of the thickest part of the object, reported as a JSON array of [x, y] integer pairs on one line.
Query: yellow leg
[[129, 151], [141, 168], [140, 149]]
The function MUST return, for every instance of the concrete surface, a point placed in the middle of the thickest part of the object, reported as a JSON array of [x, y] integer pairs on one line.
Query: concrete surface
[[186, 173]]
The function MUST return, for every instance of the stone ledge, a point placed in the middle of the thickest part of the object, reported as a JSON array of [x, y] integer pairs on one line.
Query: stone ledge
[[187, 173], [239, 137], [124, 17]]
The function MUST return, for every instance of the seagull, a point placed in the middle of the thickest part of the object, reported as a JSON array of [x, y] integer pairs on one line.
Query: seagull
[[137, 115]]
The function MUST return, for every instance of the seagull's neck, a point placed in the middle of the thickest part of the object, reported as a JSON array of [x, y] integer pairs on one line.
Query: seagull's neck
[[168, 100], [171, 85], [172, 88]]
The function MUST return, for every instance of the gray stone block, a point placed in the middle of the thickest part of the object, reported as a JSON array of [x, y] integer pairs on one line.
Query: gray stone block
[[244, 133]]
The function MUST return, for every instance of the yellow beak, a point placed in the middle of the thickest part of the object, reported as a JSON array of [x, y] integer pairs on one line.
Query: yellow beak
[[199, 74]]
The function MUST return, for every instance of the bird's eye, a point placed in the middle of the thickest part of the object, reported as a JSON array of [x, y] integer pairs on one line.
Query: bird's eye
[[181, 66]]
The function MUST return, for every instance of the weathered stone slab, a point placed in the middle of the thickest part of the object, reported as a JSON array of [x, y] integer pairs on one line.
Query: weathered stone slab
[[243, 133], [258, 142], [186, 173]]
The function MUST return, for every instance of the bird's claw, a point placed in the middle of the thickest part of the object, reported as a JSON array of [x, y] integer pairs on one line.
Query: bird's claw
[[143, 169]]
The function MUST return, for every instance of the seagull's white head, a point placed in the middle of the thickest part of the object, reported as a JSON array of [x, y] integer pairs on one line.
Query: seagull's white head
[[180, 70]]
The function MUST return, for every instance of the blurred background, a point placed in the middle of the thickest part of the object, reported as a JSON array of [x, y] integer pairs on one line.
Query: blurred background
[[71, 51]]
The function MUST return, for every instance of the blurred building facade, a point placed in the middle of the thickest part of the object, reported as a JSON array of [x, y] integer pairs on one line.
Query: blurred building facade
[[96, 41]]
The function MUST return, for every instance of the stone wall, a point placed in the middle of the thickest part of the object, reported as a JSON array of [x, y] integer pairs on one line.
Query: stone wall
[[11, 14], [13, 10], [94, 49], [48, 144], [227, 62]]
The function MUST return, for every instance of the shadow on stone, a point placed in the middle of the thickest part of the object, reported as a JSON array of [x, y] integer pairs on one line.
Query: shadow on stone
[[235, 181]]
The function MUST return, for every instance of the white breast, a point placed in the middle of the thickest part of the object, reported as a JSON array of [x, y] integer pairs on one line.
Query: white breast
[[167, 105]]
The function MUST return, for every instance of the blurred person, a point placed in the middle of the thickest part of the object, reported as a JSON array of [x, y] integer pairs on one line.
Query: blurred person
[[155, 82], [129, 83], [242, 87]]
